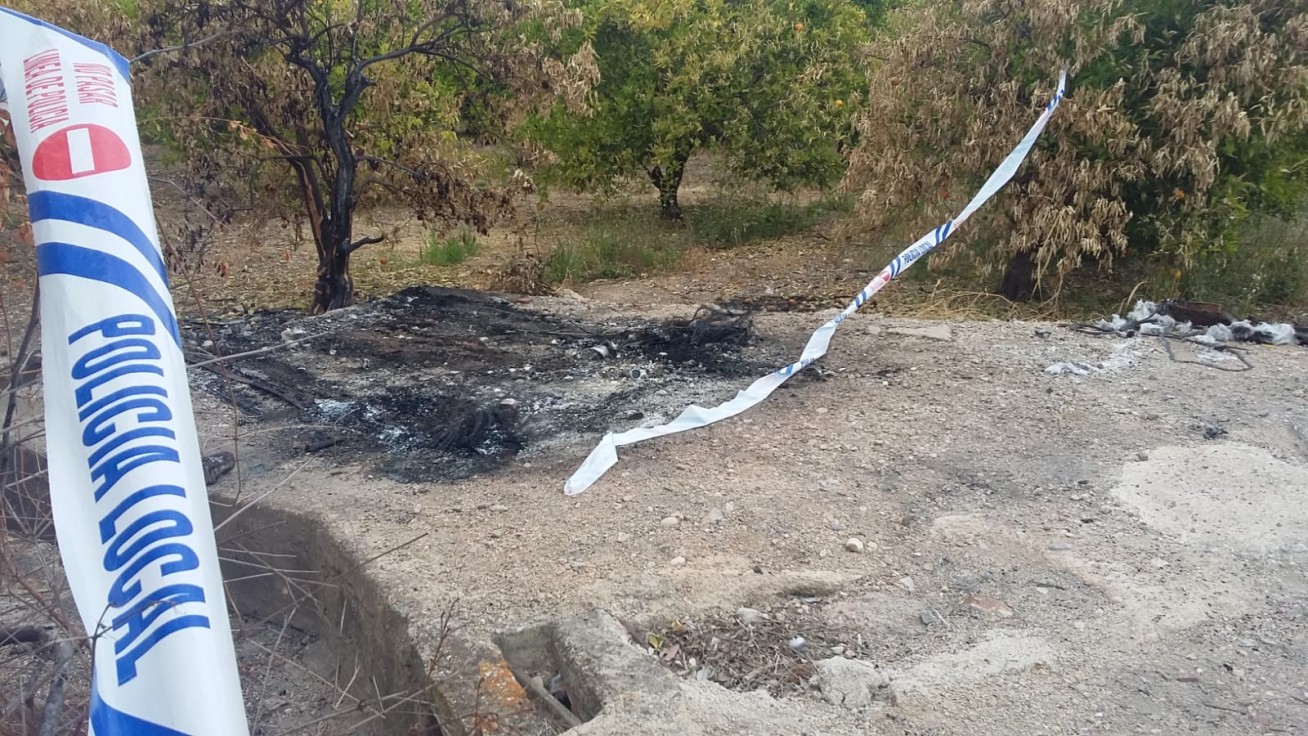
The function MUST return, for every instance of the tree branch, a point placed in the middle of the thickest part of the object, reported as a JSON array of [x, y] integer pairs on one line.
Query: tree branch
[[370, 240], [182, 47], [392, 164]]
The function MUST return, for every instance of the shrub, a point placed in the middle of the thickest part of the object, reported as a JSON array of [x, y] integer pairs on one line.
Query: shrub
[[618, 248], [451, 251], [1185, 118]]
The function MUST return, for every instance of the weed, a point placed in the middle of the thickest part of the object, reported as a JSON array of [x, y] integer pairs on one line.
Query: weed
[[451, 251], [1267, 273], [613, 249], [729, 222]]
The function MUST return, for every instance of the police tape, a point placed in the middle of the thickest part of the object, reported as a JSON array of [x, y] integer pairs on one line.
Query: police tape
[[605, 454], [130, 507]]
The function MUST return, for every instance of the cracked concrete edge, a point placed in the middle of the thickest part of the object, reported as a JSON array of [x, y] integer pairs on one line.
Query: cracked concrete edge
[[611, 680]]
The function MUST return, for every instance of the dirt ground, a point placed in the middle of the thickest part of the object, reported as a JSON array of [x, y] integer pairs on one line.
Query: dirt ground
[[1118, 553]]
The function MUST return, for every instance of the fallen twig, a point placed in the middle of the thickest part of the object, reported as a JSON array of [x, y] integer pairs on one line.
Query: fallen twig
[[1219, 706], [251, 353], [538, 690]]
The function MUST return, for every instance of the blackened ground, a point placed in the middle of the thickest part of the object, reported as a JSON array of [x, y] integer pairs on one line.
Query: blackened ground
[[441, 384]]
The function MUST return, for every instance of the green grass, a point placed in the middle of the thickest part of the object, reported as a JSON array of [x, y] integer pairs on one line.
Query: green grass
[[728, 222], [623, 247], [451, 251]]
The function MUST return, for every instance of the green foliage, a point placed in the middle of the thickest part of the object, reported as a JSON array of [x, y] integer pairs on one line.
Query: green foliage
[[1267, 271], [450, 251], [731, 221], [771, 84], [617, 247]]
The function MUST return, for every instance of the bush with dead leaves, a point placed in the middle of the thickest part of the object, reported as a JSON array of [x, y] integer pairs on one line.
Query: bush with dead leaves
[[1183, 120]]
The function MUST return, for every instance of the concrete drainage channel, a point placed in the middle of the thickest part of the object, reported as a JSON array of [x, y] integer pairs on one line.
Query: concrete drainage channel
[[286, 568]]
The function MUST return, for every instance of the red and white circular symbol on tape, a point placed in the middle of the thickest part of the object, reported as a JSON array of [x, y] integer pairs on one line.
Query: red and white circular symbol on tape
[[78, 151]]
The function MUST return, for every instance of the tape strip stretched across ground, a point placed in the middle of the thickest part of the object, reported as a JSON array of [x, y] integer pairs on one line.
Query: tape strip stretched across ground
[[605, 455]]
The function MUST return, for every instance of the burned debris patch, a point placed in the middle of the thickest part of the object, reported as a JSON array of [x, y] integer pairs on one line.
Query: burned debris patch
[[436, 384]]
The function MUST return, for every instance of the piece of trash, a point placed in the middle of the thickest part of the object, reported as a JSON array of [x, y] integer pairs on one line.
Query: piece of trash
[[1058, 369], [602, 350], [1198, 321], [1212, 431], [799, 643]]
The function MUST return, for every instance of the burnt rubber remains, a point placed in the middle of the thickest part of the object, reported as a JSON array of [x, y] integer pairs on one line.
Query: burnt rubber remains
[[435, 384]]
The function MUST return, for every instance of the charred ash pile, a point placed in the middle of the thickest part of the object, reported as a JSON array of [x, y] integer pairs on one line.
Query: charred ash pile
[[437, 384]]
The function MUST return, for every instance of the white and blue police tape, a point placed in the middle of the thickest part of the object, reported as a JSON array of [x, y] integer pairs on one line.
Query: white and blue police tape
[[605, 455], [130, 507]]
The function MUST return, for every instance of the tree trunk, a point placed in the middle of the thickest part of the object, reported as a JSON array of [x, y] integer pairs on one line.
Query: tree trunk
[[668, 181], [1019, 282], [334, 288]]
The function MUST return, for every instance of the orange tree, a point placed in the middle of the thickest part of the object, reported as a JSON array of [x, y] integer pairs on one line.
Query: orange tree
[[770, 84]]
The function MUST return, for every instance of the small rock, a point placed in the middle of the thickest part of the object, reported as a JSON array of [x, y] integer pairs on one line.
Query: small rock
[[855, 545], [838, 649], [499, 508], [623, 538], [217, 465], [1059, 546], [570, 295], [1042, 332], [670, 521], [1078, 625], [837, 525], [750, 616], [988, 605], [496, 534], [1158, 563], [907, 583], [729, 507], [319, 659], [849, 682], [677, 561], [714, 516], [930, 618], [1142, 456], [1212, 431]]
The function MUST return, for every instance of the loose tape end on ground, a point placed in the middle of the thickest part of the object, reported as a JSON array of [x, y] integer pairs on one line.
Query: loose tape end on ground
[[605, 455]]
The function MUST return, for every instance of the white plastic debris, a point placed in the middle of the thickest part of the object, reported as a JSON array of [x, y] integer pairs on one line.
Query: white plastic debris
[[1278, 334], [1219, 333], [1058, 369], [1143, 310]]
